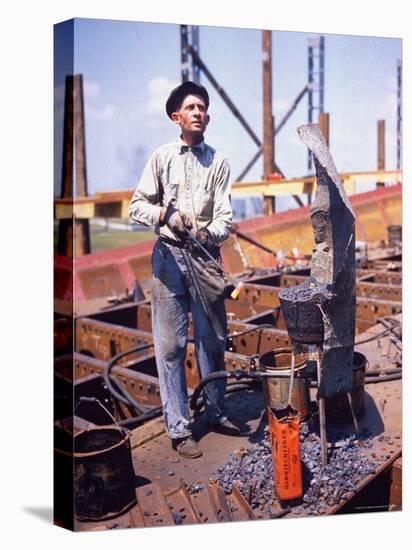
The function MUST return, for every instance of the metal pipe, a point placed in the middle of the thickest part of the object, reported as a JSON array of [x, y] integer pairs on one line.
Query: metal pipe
[[322, 417], [352, 410]]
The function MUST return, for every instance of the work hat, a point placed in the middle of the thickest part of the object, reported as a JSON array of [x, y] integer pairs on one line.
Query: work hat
[[178, 94]]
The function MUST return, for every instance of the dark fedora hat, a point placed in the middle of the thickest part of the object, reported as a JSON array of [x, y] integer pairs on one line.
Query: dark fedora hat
[[178, 94]]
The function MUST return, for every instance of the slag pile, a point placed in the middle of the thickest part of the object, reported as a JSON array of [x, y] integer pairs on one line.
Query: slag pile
[[349, 461]]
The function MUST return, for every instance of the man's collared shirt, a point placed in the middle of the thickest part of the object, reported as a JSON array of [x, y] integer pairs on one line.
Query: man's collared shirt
[[197, 177]]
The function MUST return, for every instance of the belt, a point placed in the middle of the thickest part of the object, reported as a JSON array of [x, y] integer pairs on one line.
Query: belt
[[215, 252], [171, 242]]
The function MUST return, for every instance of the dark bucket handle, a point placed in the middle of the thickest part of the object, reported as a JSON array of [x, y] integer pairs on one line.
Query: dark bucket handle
[[95, 400]]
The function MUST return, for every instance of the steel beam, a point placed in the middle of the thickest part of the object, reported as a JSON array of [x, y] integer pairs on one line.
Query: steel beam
[[268, 133], [105, 340], [324, 126], [381, 145], [74, 231], [399, 117], [142, 387]]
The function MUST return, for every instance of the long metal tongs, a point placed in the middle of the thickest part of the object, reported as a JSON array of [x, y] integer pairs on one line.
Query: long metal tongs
[[237, 284]]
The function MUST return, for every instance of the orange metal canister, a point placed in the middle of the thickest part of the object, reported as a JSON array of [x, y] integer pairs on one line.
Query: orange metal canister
[[284, 438]]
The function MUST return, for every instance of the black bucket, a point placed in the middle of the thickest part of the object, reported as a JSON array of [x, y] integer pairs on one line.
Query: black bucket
[[103, 474], [302, 307], [276, 389], [337, 407]]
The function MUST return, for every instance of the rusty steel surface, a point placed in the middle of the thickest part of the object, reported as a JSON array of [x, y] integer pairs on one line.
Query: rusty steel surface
[[156, 460], [104, 340], [156, 508], [107, 323], [168, 468], [156, 463]]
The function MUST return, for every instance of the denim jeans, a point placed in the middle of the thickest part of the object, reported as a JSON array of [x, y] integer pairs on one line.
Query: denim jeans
[[174, 294]]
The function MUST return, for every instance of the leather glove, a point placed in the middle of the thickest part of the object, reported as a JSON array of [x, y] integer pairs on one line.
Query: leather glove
[[174, 221], [205, 239], [186, 220]]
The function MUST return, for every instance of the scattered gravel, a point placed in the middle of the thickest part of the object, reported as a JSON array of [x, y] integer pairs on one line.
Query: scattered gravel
[[349, 461]]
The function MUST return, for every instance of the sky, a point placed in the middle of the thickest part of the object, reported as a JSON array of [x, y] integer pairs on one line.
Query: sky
[[129, 69]]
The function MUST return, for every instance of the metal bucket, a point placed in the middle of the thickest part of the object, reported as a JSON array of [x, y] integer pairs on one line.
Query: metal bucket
[[276, 390], [394, 235], [302, 307], [337, 408], [103, 474]]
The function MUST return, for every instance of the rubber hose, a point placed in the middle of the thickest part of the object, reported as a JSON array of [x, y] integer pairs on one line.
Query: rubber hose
[[371, 379], [383, 372], [249, 330], [142, 417], [124, 397], [385, 378], [238, 375], [231, 388]]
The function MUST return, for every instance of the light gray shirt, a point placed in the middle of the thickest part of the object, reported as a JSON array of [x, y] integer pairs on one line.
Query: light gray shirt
[[197, 177]]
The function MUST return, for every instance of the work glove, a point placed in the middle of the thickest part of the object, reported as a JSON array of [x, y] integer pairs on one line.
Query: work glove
[[176, 221], [205, 239]]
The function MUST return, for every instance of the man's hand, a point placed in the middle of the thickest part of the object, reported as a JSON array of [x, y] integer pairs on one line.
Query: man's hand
[[186, 220], [175, 221], [205, 239]]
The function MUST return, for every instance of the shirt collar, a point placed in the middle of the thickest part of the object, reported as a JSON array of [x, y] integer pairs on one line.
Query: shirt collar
[[200, 147]]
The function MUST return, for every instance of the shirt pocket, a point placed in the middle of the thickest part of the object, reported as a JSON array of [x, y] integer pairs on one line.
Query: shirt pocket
[[205, 194]]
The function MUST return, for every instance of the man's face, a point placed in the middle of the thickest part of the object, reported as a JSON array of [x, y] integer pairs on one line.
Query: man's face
[[192, 116]]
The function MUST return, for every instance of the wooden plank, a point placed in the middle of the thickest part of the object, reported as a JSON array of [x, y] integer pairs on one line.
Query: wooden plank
[[65, 211], [147, 432]]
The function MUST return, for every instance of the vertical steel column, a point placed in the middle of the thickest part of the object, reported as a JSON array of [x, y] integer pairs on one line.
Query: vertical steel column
[[82, 230], [74, 234], [321, 74], [184, 53], [381, 145], [189, 36], [68, 140], [399, 118], [310, 83], [268, 129], [79, 138], [324, 126], [316, 81], [381, 149]]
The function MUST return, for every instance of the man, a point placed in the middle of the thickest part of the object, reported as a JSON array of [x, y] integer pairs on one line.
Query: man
[[185, 187]]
